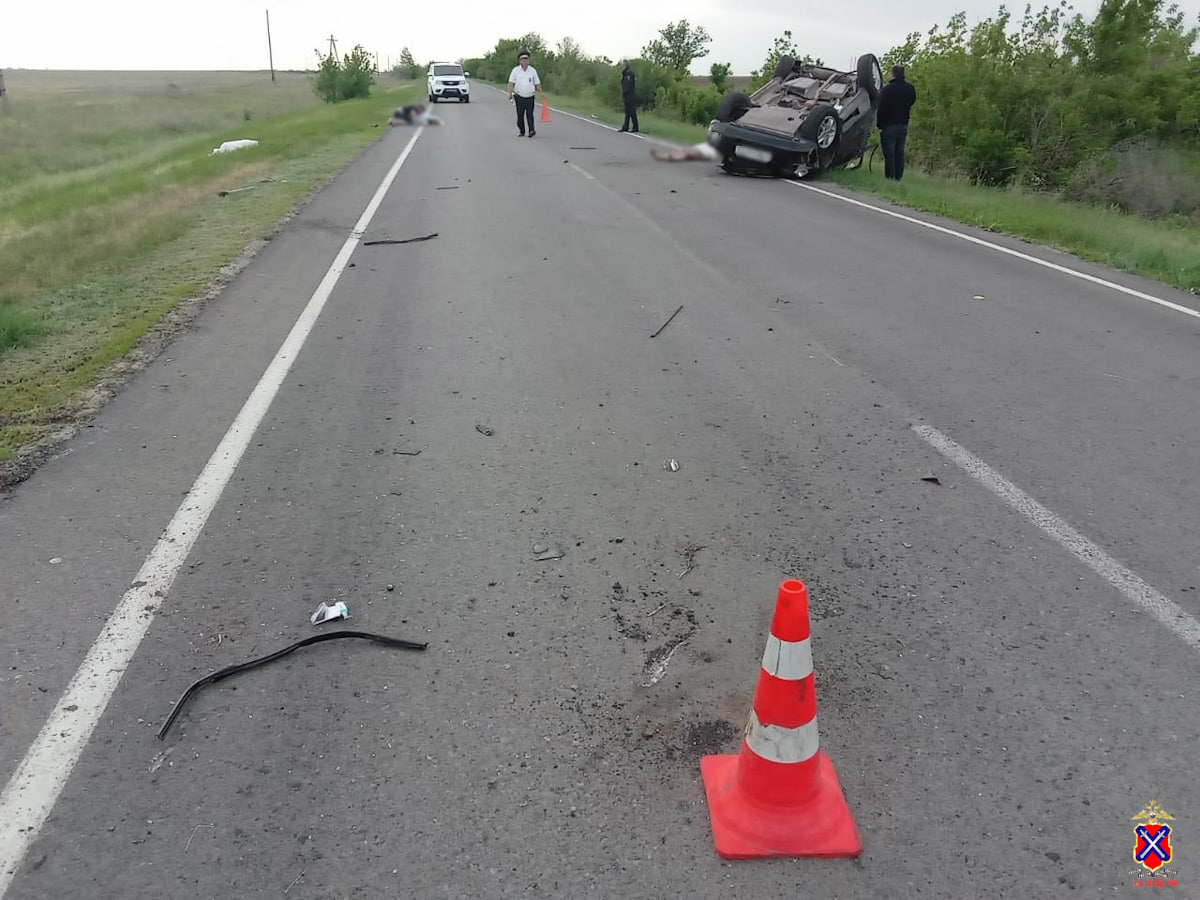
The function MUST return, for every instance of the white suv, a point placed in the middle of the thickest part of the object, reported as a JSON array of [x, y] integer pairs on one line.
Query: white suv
[[448, 80]]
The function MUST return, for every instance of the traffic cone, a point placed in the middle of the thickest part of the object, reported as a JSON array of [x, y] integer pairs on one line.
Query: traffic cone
[[545, 109], [780, 796]]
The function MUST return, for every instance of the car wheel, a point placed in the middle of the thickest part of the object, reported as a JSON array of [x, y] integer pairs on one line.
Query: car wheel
[[823, 127], [732, 107], [870, 76], [784, 67]]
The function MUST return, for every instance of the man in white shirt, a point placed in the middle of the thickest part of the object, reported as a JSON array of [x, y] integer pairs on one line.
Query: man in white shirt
[[523, 83]]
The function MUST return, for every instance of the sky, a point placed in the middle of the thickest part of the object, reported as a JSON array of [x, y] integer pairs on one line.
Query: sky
[[232, 34]]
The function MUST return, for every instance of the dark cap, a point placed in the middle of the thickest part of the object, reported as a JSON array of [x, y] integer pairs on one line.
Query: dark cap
[[524, 55]]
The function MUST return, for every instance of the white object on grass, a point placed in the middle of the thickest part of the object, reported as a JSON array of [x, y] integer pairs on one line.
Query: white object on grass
[[235, 145]]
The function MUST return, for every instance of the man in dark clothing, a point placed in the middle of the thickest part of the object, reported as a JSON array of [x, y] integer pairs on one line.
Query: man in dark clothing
[[895, 102], [629, 95]]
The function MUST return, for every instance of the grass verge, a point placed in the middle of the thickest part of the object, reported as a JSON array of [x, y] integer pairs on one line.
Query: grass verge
[[1163, 250], [97, 248]]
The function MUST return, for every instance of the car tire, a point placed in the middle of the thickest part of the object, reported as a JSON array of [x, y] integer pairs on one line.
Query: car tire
[[466, 99], [732, 107], [784, 67], [822, 126], [870, 76]]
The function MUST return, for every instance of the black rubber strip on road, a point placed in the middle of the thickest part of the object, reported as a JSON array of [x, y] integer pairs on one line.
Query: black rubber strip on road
[[222, 674]]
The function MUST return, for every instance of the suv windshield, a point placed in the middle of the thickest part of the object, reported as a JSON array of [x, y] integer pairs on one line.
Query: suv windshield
[[447, 70]]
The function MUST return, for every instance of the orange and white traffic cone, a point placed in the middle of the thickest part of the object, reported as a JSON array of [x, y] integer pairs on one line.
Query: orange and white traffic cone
[[780, 796], [545, 109]]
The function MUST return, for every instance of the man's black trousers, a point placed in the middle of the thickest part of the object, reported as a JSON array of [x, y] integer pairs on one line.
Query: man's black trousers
[[630, 113], [524, 112]]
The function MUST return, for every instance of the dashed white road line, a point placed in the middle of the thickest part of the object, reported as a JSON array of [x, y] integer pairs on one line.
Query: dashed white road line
[[1133, 588], [34, 788]]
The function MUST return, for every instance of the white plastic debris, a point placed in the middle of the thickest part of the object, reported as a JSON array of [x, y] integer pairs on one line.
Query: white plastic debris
[[325, 612], [235, 145]]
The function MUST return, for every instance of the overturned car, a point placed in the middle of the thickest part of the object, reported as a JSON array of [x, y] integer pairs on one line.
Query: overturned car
[[805, 120]]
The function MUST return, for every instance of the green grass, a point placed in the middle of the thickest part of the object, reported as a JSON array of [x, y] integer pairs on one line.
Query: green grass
[[1162, 250], [110, 214]]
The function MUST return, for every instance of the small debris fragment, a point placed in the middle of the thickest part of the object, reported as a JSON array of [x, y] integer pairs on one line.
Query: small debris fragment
[[666, 323], [671, 465], [452, 188], [56, 561], [931, 478], [404, 241], [391, 587], [657, 661], [689, 557], [406, 452], [326, 612], [545, 554], [485, 430], [980, 297], [240, 190]]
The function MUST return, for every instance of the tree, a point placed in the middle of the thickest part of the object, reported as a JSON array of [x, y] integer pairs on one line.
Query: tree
[[678, 45], [408, 66], [720, 75], [783, 46]]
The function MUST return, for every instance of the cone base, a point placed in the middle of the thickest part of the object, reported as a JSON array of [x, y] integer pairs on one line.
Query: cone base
[[745, 828]]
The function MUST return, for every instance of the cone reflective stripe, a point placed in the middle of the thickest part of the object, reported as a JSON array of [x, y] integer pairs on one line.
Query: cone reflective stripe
[[780, 796]]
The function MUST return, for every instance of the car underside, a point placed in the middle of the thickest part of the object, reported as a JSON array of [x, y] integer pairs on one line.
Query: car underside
[[805, 120]]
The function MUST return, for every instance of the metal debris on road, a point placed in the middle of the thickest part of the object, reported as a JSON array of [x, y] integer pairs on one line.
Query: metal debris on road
[[485, 430], [542, 553], [403, 241], [221, 674], [671, 465], [326, 612], [668, 322], [406, 452]]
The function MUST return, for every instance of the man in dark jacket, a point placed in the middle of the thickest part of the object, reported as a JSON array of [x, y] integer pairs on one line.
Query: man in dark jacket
[[895, 102], [629, 95]]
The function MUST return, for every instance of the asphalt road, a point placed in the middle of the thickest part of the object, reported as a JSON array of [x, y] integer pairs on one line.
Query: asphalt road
[[995, 689]]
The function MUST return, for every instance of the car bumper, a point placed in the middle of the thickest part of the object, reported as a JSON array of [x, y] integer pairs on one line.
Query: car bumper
[[754, 147], [451, 90]]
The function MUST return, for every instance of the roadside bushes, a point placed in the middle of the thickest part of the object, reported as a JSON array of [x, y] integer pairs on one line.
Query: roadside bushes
[[346, 80], [1106, 110]]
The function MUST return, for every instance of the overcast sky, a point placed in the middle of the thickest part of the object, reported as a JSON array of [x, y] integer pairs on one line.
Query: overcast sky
[[231, 34]]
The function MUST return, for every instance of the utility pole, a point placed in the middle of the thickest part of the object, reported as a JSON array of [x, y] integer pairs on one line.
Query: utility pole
[[3, 93], [332, 47], [270, 51]]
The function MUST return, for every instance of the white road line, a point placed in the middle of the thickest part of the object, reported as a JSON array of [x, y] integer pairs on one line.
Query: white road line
[[1066, 270], [34, 788], [1124, 580]]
